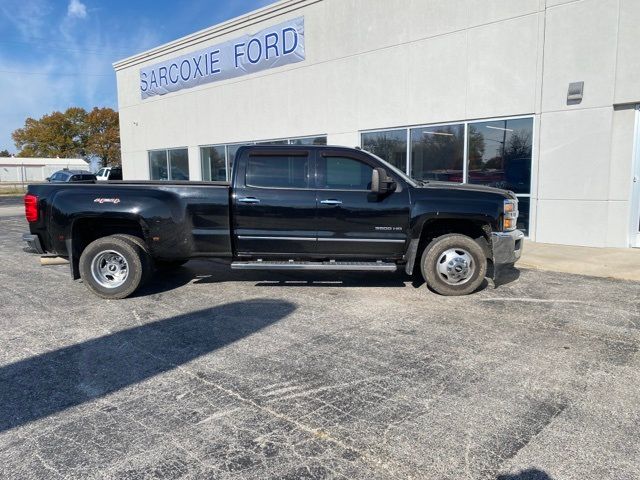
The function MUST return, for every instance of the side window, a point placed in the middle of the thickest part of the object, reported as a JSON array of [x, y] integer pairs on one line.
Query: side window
[[74, 178], [278, 171], [344, 173]]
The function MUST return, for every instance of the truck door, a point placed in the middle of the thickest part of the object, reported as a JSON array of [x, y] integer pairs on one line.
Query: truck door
[[353, 221], [274, 203]]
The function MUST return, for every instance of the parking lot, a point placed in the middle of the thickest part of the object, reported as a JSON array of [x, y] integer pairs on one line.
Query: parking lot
[[212, 374]]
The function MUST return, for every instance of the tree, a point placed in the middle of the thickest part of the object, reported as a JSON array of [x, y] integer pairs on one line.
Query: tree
[[73, 133], [4, 153], [103, 135]]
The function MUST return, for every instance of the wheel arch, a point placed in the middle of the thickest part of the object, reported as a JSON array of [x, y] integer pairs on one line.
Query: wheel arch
[[429, 228], [84, 230]]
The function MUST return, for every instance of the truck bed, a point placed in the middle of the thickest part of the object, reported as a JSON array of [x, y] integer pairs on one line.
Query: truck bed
[[177, 219]]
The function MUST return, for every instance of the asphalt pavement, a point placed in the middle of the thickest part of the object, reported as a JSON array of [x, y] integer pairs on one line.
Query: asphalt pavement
[[212, 374], [11, 205]]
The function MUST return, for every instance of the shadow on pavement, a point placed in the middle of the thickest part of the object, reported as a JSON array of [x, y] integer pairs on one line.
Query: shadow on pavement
[[529, 474], [54, 381], [505, 275]]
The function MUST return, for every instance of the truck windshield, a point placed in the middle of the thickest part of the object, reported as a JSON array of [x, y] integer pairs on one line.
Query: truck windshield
[[395, 170]]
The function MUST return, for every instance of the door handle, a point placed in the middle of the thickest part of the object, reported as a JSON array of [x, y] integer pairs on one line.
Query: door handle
[[331, 201], [249, 200]]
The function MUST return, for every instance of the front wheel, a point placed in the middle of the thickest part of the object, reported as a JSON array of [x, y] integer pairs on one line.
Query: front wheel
[[112, 267], [453, 264]]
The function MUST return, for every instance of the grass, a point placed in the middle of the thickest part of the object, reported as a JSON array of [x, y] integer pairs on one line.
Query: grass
[[11, 191]]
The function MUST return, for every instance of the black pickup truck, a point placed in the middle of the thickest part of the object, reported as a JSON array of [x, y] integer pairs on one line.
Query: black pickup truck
[[287, 208]]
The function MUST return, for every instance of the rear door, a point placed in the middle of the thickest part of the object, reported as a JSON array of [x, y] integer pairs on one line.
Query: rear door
[[274, 203], [353, 221]]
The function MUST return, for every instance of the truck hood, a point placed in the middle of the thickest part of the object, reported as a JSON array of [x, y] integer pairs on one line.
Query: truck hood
[[466, 187]]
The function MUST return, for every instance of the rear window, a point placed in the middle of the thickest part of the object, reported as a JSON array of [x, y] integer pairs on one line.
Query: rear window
[[278, 171]]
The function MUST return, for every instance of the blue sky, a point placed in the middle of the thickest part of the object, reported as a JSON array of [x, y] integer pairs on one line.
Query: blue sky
[[58, 53]]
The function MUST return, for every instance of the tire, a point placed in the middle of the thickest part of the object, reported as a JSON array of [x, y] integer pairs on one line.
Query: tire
[[112, 268], [147, 261], [453, 264], [170, 264]]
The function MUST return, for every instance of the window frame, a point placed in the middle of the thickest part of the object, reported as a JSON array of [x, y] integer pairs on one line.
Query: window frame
[[226, 161], [168, 163]]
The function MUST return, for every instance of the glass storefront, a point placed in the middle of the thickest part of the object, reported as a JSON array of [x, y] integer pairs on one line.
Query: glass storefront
[[390, 145], [496, 153], [437, 153], [225, 155]]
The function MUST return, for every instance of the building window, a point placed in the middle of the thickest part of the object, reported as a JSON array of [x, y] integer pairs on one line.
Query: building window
[[437, 153], [224, 155], [321, 140], [158, 165], [169, 164], [498, 154], [390, 145], [213, 163]]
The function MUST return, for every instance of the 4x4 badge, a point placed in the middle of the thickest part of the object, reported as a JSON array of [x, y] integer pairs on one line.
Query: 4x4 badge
[[107, 200]]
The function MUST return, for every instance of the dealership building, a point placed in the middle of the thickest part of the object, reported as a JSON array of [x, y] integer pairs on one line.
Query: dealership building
[[536, 96]]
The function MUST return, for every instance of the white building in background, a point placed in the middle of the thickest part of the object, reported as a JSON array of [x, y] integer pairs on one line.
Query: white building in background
[[24, 170], [537, 96]]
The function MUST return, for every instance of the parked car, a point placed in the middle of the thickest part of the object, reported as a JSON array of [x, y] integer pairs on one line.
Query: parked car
[[76, 176], [286, 208], [109, 173]]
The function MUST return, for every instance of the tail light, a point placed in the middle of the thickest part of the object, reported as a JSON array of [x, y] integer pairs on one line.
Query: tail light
[[31, 207]]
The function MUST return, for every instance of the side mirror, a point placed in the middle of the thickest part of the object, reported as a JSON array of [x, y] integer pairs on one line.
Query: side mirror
[[381, 183], [48, 179]]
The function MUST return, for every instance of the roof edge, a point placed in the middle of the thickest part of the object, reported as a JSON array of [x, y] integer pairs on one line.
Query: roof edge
[[247, 19]]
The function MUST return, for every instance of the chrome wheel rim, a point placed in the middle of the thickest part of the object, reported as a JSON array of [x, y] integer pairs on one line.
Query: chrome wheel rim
[[109, 269], [456, 266]]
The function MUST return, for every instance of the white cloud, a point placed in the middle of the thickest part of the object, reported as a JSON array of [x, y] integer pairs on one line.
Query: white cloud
[[76, 9]]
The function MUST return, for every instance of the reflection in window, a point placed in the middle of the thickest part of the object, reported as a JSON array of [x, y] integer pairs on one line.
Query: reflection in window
[[273, 142], [213, 163], [500, 154], [524, 206], [179, 163], [437, 153], [322, 140], [213, 157], [342, 173], [390, 145], [278, 171], [169, 164], [158, 165]]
